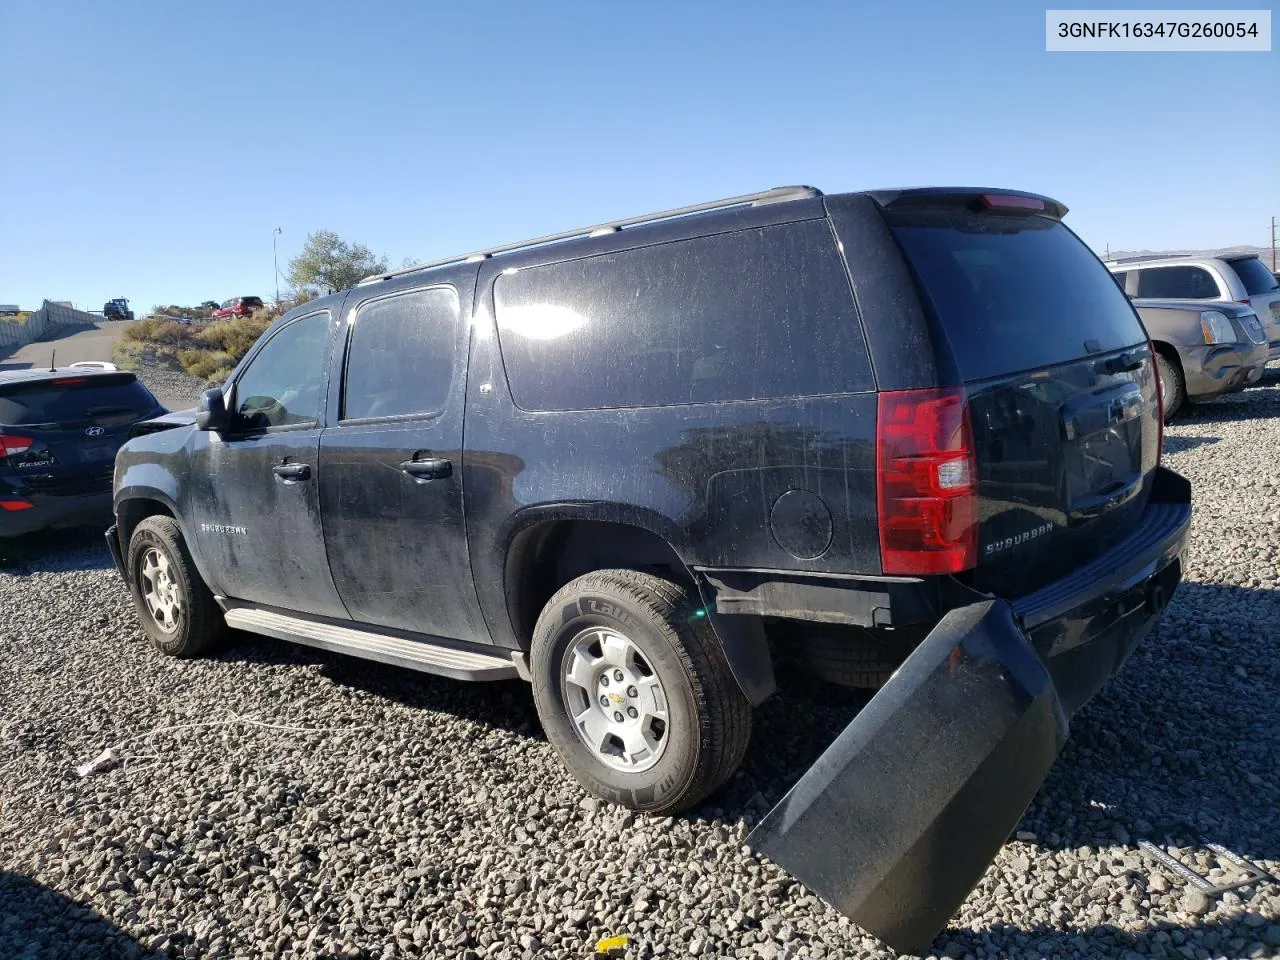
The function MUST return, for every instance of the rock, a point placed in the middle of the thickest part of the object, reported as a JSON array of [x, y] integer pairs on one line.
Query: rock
[[1194, 902]]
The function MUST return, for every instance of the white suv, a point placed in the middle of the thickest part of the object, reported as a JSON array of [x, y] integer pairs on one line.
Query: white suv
[[1241, 278]]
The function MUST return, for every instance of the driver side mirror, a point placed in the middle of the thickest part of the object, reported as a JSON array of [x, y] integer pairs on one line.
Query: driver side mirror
[[212, 412]]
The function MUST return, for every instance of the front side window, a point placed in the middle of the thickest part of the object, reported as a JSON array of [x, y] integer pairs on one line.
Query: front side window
[[284, 384], [400, 361], [1177, 283]]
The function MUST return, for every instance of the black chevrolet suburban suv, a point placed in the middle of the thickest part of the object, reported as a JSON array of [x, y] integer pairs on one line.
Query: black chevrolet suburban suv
[[913, 435]]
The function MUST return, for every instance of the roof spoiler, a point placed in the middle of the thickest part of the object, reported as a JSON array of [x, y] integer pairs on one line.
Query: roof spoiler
[[973, 198]]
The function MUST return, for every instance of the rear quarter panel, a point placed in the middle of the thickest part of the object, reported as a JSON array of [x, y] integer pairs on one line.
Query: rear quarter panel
[[705, 477]]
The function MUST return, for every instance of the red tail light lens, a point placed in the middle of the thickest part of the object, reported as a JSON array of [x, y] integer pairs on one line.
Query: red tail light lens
[[10, 445], [13, 506], [1155, 368], [928, 482]]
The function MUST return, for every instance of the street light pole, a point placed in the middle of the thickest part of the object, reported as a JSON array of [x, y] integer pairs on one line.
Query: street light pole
[[275, 262]]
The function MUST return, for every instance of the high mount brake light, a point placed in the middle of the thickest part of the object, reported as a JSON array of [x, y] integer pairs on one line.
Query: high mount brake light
[[927, 480], [10, 445], [68, 381], [1009, 201]]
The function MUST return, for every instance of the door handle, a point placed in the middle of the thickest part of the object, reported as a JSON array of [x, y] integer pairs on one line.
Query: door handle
[[292, 472], [432, 468]]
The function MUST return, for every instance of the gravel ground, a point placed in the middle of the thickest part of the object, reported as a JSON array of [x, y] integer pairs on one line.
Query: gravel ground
[[175, 389], [424, 817]]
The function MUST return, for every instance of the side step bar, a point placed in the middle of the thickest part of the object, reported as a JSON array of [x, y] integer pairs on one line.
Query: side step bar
[[447, 661]]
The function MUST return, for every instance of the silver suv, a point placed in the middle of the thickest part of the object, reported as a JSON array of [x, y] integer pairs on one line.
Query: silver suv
[[1242, 279]]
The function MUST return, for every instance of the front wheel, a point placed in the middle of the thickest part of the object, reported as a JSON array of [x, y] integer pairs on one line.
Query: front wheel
[[634, 691], [177, 610]]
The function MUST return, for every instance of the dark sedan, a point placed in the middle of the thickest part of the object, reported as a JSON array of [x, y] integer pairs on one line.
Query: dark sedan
[[59, 433]]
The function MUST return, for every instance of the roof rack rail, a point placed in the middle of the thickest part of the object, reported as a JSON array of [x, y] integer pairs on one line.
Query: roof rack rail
[[1157, 256], [776, 195]]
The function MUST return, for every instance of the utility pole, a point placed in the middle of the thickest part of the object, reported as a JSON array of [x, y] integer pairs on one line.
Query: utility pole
[[275, 262], [1273, 244]]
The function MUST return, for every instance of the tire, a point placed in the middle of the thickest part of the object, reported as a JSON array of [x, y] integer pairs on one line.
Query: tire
[[1173, 386], [701, 736], [195, 621], [849, 657]]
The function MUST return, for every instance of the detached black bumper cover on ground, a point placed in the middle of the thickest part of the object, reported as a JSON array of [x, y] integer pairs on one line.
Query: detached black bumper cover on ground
[[899, 818]]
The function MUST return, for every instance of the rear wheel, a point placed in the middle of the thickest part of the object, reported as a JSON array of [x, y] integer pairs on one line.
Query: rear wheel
[[850, 656], [177, 610], [1173, 386], [634, 692]]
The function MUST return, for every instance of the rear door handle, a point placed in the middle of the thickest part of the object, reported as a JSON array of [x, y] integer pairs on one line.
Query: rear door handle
[[432, 468], [292, 472]]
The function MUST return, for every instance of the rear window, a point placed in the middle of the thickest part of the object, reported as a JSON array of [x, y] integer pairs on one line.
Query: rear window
[[1013, 292], [1178, 283], [757, 314], [104, 400], [1255, 277]]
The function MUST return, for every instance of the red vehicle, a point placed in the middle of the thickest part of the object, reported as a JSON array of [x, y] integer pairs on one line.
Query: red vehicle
[[237, 307]]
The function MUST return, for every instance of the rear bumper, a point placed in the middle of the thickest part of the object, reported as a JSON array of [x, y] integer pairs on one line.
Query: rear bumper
[[1085, 625], [48, 513], [900, 817], [1214, 370]]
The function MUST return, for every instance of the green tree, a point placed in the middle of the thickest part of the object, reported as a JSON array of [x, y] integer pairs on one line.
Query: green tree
[[328, 263]]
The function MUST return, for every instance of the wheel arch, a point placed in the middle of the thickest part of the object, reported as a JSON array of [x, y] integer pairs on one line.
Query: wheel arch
[[554, 548]]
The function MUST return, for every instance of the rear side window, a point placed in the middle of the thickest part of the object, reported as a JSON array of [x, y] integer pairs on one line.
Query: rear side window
[[757, 314], [106, 400], [1013, 292], [400, 360], [1255, 277], [1177, 283]]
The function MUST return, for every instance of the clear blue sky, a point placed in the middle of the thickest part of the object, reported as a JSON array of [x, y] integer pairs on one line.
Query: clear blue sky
[[150, 148]]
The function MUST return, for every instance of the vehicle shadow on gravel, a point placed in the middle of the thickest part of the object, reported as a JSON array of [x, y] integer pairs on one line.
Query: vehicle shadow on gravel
[[55, 551], [1174, 444], [507, 705], [1259, 403], [39, 922]]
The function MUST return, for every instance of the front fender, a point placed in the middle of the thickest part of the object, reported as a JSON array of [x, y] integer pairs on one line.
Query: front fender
[[152, 483]]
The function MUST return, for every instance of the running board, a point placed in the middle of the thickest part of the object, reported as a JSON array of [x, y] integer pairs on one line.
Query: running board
[[385, 648]]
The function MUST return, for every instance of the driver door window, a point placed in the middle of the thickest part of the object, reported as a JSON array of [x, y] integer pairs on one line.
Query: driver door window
[[283, 386]]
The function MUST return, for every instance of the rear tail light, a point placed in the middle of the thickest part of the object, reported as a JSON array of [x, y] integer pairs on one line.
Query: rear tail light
[[1155, 367], [11, 445], [13, 506], [927, 478]]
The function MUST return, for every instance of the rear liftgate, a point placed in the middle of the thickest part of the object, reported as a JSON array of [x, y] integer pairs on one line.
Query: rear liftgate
[[897, 821]]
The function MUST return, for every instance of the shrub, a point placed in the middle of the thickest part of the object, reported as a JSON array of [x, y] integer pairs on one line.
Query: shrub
[[207, 364], [237, 335], [208, 352], [156, 330]]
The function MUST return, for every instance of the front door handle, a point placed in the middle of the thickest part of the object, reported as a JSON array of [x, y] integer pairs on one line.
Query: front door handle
[[432, 468], [292, 472]]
